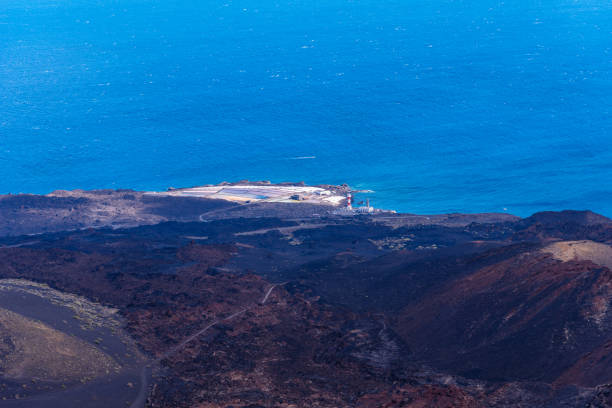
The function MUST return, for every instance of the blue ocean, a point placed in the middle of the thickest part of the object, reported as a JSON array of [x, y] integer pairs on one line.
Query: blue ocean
[[436, 105]]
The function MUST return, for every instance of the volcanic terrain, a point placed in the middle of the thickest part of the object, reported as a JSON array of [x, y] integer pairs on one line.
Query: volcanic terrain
[[292, 305]]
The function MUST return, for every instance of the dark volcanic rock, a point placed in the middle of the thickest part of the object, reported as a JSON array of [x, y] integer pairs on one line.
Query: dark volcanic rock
[[565, 225], [559, 219], [390, 311], [530, 317]]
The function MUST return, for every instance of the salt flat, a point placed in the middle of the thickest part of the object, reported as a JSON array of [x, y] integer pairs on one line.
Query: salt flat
[[257, 193]]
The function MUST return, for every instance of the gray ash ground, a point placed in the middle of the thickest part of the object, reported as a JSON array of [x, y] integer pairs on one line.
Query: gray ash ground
[[97, 326]]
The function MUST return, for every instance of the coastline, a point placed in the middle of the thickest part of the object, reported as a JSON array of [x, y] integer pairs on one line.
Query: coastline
[[78, 209], [377, 294]]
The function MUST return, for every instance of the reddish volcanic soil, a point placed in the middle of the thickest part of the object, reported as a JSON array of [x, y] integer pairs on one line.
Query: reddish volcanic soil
[[527, 318], [451, 311]]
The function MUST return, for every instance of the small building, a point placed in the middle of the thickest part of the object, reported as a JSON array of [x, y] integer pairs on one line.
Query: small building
[[364, 210]]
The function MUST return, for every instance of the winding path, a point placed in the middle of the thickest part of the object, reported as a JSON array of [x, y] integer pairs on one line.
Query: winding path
[[145, 373]]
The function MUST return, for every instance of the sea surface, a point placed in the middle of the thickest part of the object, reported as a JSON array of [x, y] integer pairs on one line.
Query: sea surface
[[436, 105]]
